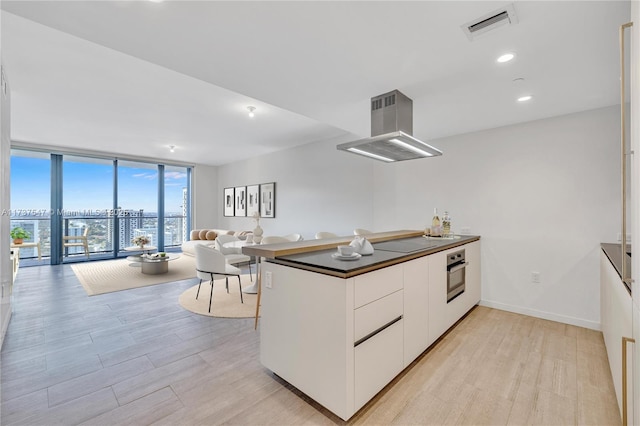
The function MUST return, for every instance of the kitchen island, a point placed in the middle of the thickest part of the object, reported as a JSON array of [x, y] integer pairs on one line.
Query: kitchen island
[[341, 330]]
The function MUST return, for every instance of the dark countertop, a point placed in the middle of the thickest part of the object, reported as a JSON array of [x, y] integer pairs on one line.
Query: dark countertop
[[271, 251], [614, 253], [321, 261]]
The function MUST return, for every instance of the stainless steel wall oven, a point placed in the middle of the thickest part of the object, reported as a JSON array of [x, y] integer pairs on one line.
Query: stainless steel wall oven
[[456, 268]]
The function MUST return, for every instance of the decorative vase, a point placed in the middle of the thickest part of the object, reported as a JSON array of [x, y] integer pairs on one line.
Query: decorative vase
[[17, 241], [257, 234]]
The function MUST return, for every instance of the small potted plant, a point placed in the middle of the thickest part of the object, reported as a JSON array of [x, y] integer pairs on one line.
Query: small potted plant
[[19, 234]]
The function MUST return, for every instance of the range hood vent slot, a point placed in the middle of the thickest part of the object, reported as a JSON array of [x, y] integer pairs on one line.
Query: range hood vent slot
[[387, 100], [391, 132], [490, 21]]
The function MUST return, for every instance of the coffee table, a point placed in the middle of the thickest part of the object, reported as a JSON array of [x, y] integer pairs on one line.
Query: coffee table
[[156, 265], [141, 252]]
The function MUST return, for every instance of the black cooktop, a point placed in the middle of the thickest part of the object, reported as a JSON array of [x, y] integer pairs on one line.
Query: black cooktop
[[406, 245]]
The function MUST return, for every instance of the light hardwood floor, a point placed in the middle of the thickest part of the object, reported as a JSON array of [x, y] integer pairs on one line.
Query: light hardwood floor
[[135, 358]]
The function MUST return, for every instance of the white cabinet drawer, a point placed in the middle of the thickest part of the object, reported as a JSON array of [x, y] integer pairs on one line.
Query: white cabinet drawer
[[371, 317], [377, 361], [377, 284]]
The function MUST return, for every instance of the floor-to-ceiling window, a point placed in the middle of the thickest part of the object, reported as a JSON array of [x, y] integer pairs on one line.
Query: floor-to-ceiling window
[[137, 197], [176, 205], [108, 200], [30, 201], [87, 200]]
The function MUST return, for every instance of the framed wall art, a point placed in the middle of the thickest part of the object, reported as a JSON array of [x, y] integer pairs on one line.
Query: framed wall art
[[241, 201], [253, 200], [229, 202], [268, 199]]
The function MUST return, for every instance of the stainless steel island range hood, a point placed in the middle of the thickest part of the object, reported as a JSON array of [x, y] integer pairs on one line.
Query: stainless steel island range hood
[[391, 132]]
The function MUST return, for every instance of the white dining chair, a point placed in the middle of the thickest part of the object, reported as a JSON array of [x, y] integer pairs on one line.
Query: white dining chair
[[212, 265], [322, 235], [274, 239], [294, 237], [361, 231], [233, 255]]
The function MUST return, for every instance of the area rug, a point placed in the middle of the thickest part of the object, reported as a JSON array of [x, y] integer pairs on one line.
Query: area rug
[[224, 305], [120, 274]]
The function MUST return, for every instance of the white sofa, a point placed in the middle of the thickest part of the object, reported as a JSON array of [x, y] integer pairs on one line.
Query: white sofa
[[202, 236]]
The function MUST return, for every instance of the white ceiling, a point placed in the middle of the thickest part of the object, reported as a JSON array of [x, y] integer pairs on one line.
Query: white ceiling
[[134, 77]]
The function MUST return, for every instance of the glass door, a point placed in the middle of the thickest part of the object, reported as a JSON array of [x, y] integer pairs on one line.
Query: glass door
[[87, 200], [176, 206], [30, 204], [137, 201]]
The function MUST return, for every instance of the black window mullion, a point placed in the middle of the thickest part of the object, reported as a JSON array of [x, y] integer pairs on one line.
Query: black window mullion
[[56, 209], [160, 207]]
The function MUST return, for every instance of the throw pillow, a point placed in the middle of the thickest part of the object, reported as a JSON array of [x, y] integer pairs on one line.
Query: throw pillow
[[195, 234], [203, 234], [211, 235]]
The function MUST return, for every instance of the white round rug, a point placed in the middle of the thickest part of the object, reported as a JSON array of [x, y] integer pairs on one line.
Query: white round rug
[[223, 305]]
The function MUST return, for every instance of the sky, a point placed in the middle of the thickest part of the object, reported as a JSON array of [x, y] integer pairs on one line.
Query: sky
[[88, 186]]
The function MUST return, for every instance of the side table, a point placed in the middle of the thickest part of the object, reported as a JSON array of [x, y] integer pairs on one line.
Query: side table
[[34, 244]]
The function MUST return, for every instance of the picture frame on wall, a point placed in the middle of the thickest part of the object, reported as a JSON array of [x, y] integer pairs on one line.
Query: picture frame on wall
[[253, 200], [268, 199], [241, 201], [229, 202]]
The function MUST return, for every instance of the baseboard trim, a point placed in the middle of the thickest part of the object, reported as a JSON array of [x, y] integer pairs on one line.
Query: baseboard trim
[[542, 314]]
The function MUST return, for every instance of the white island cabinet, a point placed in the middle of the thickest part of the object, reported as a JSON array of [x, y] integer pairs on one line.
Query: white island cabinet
[[443, 315], [340, 340]]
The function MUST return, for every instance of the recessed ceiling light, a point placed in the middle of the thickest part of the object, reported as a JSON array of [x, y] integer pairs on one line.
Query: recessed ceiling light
[[172, 148], [524, 98], [506, 57], [251, 109]]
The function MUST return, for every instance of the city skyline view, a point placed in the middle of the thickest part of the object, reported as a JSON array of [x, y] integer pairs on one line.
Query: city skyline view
[[87, 202], [87, 187]]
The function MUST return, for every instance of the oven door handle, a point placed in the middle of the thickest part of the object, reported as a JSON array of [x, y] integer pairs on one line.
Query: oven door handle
[[458, 267]]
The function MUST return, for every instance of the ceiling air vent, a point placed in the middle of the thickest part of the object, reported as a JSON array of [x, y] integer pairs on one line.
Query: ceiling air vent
[[490, 21]]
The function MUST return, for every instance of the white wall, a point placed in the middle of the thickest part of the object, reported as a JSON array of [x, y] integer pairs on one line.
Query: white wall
[[318, 188], [543, 195], [204, 195]]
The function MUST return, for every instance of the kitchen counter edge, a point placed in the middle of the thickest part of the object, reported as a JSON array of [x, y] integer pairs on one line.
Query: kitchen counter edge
[[396, 258]]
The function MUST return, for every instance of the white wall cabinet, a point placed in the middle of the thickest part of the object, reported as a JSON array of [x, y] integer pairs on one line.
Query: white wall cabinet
[[340, 341], [616, 322]]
